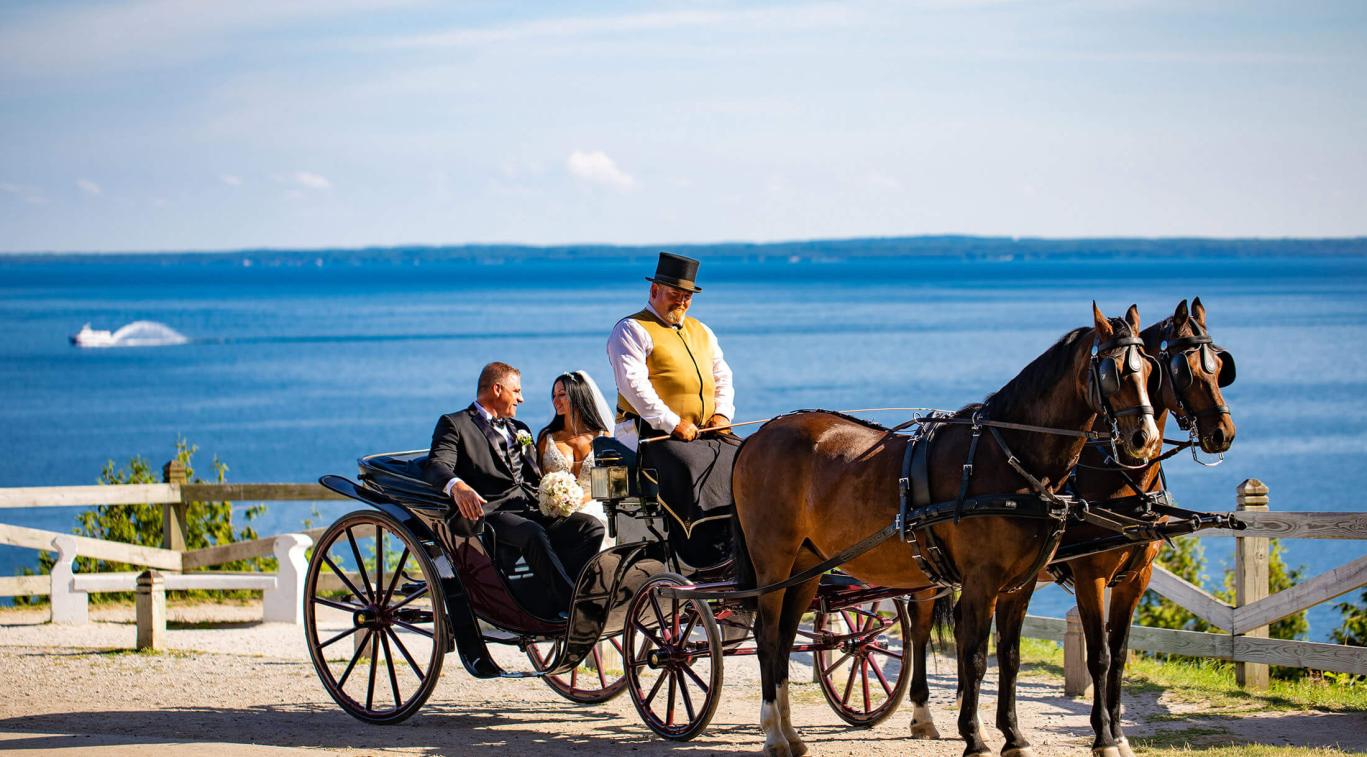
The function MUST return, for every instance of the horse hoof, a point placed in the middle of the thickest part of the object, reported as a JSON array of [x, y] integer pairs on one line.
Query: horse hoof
[[1020, 751], [925, 730], [1124, 746], [1106, 751], [779, 750]]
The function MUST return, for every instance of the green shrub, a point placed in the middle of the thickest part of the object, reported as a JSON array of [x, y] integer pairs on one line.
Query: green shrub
[[1353, 631], [208, 524]]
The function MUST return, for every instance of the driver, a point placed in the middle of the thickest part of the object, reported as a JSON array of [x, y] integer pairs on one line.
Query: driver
[[483, 459]]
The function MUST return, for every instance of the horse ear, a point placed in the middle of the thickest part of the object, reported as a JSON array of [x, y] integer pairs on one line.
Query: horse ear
[[1132, 318], [1103, 324], [1199, 311], [1180, 315]]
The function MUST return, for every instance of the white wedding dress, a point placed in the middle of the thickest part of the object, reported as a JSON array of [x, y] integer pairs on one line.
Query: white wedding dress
[[554, 460]]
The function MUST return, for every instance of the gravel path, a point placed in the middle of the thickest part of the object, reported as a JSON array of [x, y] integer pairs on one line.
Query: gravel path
[[233, 685]]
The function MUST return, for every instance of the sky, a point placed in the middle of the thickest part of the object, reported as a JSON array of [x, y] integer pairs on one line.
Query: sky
[[158, 125]]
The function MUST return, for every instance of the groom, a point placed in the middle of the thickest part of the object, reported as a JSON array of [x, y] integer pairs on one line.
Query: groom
[[483, 459]]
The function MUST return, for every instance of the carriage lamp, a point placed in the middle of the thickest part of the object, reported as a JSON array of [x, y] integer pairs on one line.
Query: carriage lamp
[[608, 482]]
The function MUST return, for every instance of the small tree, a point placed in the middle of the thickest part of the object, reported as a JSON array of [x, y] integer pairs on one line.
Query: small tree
[[1353, 631], [1185, 558]]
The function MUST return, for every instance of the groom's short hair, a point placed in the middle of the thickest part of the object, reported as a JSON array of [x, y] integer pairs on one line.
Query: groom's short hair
[[494, 373]]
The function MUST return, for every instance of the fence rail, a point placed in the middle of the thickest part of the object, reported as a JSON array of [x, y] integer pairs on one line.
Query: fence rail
[[1244, 624]]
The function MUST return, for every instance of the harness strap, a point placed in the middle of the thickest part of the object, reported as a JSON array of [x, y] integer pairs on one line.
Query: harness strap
[[1091, 435], [968, 468]]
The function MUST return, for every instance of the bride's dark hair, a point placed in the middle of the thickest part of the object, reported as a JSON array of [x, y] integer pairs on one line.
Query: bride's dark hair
[[581, 404]]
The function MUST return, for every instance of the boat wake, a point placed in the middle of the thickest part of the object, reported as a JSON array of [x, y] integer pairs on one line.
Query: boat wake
[[135, 334]]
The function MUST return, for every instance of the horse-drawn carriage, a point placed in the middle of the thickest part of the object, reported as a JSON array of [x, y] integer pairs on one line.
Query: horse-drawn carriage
[[808, 486], [406, 582]]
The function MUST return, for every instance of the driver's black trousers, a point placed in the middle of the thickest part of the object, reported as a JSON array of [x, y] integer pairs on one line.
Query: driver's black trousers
[[556, 549]]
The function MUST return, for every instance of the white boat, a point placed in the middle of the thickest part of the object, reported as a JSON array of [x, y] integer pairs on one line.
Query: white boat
[[88, 337], [135, 334]]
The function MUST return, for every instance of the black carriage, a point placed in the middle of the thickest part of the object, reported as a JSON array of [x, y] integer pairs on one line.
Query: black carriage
[[391, 589]]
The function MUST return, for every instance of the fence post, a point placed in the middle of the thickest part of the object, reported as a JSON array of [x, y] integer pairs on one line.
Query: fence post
[[174, 529], [69, 607], [151, 610], [285, 603], [1076, 680], [1251, 577]]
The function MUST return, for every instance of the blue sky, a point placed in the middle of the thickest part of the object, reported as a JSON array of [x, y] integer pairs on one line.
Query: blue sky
[[157, 125]]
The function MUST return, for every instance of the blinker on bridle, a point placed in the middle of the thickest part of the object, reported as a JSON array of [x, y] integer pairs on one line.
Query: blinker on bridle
[[1173, 353], [1106, 373]]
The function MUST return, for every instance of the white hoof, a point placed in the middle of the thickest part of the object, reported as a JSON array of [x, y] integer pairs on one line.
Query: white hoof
[[1106, 751], [924, 731], [779, 749], [1024, 751], [1124, 746]]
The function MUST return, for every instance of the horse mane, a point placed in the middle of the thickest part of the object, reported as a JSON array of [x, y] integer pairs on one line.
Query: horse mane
[[1037, 378], [861, 421]]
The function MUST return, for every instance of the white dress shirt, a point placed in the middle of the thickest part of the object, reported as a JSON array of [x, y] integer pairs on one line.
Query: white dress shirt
[[628, 348], [498, 428]]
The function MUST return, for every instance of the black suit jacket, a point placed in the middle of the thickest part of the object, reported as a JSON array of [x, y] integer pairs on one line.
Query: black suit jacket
[[465, 445]]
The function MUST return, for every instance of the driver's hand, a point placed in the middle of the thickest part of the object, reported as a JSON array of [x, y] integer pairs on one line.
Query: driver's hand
[[685, 431], [716, 420], [467, 500]]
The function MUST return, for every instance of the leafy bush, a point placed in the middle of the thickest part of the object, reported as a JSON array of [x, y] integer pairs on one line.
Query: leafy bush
[[1354, 628], [207, 523]]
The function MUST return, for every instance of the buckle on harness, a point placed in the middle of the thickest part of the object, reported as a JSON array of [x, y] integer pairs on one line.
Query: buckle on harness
[[968, 469], [904, 483]]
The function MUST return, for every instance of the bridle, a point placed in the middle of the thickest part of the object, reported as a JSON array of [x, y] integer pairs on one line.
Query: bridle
[[1174, 356]]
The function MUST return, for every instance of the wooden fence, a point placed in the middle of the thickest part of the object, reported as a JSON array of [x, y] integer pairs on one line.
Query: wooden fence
[[1244, 623]]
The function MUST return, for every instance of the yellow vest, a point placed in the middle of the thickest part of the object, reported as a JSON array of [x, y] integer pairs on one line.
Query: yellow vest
[[680, 368]]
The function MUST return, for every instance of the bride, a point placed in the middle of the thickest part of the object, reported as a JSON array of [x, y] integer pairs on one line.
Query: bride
[[566, 443]]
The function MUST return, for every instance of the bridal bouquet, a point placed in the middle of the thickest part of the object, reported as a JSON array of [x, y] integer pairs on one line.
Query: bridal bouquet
[[560, 495]]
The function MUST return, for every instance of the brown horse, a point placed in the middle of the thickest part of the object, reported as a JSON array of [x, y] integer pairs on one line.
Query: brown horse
[[809, 485], [1190, 392]]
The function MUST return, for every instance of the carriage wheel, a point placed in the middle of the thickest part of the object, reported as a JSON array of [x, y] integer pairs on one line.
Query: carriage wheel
[[861, 672], [374, 617], [598, 678], [673, 659]]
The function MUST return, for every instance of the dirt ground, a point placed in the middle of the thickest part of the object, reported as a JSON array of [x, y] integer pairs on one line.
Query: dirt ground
[[232, 685]]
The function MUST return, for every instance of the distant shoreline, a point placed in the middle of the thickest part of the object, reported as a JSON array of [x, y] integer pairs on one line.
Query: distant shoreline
[[942, 246]]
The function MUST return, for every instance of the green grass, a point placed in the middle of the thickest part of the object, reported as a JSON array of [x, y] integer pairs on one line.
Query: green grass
[[1235, 750], [1209, 682]]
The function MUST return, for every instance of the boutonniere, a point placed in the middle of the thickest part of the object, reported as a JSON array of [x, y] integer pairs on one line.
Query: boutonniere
[[524, 438]]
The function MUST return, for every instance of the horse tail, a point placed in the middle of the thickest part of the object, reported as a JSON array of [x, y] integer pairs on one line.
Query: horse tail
[[942, 617], [745, 569]]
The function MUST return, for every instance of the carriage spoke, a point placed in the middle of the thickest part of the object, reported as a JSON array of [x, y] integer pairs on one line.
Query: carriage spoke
[[374, 657], [705, 688], [337, 605], [410, 597], [687, 700], [379, 562], [394, 581], [393, 678], [836, 664], [669, 718], [864, 680], [659, 613], [849, 685], [347, 581], [413, 628], [878, 671], [652, 638], [360, 648], [340, 636], [886, 651], [654, 690], [688, 629], [598, 664], [360, 565], [617, 645], [403, 650]]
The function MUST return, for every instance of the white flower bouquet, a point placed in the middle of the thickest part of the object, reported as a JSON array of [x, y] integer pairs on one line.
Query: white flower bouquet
[[560, 495]]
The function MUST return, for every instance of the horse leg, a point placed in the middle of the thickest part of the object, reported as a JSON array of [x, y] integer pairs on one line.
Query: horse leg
[[1010, 617], [1091, 592], [796, 601], [976, 606], [922, 621], [1124, 599], [768, 635]]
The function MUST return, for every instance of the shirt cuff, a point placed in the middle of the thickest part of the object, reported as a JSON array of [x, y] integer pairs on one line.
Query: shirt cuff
[[449, 485]]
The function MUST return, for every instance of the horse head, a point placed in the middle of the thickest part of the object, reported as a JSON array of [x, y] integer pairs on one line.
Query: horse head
[[1120, 379], [1196, 369]]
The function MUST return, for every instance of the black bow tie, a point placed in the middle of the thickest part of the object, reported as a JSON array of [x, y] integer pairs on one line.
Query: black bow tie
[[503, 423]]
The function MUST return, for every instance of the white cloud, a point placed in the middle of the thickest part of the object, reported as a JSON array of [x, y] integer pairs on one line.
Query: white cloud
[[89, 187], [597, 168], [305, 180], [231, 180], [24, 192]]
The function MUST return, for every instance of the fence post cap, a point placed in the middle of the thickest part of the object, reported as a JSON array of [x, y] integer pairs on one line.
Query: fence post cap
[[173, 472], [150, 578], [1253, 487]]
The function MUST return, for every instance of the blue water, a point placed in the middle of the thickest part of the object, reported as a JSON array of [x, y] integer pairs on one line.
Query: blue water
[[299, 363]]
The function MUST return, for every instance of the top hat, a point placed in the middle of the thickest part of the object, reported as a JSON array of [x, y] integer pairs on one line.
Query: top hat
[[676, 271]]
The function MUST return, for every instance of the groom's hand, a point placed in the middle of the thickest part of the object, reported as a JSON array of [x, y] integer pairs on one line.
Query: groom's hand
[[467, 500], [716, 420], [685, 431]]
